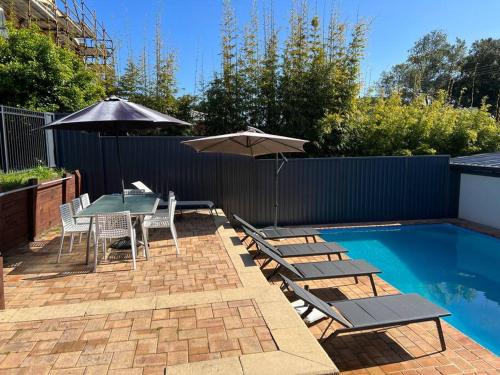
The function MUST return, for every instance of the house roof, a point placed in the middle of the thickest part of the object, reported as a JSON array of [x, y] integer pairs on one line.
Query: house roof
[[480, 162]]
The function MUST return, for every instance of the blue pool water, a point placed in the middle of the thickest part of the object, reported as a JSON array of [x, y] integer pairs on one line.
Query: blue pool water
[[456, 268]]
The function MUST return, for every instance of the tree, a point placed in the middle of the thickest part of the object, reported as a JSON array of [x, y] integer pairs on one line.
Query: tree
[[433, 64], [268, 82], [223, 102], [128, 83], [37, 74], [480, 76]]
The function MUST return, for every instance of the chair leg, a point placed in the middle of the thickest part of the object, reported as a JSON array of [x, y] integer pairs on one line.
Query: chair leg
[[104, 250], [71, 242], [174, 235], [80, 240], [133, 247], [60, 247], [440, 333], [372, 282]]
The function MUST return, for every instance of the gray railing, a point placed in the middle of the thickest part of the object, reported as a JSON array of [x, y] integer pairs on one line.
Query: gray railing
[[22, 144]]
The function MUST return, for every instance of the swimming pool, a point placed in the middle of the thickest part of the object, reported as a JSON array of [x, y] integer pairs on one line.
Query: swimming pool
[[456, 268]]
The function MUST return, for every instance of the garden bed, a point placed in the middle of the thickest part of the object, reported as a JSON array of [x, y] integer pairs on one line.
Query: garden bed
[[29, 203]]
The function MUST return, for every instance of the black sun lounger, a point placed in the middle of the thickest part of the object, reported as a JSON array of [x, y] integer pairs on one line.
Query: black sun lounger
[[298, 250], [279, 233], [373, 312], [321, 270]]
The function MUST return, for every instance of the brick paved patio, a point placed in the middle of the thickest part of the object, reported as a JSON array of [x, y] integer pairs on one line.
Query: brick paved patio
[[208, 311], [142, 341], [34, 279]]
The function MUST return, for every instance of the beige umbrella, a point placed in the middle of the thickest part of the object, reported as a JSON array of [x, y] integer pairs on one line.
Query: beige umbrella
[[252, 142]]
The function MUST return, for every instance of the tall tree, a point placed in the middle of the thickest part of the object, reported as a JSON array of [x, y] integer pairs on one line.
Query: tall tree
[[480, 76], [268, 83], [222, 102], [433, 64]]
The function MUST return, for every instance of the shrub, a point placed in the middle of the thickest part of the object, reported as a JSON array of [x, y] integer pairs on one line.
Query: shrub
[[13, 180]]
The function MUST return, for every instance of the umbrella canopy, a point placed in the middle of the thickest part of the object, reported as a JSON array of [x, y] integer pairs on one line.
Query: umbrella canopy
[[115, 115], [251, 142]]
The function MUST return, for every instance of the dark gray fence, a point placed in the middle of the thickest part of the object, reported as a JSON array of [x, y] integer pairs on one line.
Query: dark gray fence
[[312, 191], [22, 144]]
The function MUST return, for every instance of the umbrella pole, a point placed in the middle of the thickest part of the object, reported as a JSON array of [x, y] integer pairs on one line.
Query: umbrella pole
[[120, 167], [276, 176], [276, 192]]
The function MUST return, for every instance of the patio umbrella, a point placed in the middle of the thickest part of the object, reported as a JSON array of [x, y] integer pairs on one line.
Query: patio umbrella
[[114, 116], [252, 142]]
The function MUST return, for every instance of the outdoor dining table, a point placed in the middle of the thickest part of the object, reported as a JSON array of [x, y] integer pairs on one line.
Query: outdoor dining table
[[138, 205]]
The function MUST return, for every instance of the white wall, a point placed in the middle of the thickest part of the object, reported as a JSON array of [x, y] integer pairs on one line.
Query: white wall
[[480, 199]]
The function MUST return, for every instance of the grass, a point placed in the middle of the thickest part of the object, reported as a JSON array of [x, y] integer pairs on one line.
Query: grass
[[13, 180]]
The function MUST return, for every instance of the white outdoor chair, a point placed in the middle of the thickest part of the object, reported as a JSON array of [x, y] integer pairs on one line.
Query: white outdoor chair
[[112, 226], [142, 186], [85, 200], [70, 226], [162, 219]]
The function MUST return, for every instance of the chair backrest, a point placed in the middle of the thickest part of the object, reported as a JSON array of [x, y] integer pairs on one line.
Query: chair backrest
[[134, 192], [77, 205], [258, 239], [245, 224], [66, 215], [316, 302], [142, 186], [113, 225], [171, 208], [266, 249], [85, 200]]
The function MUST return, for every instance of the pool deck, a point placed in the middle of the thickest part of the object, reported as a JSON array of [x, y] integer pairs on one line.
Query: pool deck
[[208, 311], [407, 350]]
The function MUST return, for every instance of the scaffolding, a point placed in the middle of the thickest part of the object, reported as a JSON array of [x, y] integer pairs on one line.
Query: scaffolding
[[71, 24]]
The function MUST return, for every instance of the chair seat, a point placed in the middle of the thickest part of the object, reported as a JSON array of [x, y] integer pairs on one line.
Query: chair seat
[[388, 310], [79, 227], [277, 233], [309, 249], [158, 220], [340, 268]]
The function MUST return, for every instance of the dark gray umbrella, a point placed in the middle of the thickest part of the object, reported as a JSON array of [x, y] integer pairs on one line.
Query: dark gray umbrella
[[252, 142], [115, 115]]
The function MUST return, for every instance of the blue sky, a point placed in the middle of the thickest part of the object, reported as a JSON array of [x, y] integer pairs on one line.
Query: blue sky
[[191, 27]]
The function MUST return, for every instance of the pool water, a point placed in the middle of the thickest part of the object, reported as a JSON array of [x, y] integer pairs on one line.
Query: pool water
[[456, 268]]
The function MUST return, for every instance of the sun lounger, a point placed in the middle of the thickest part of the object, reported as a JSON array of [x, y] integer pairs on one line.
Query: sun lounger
[[321, 270], [299, 250], [279, 233], [186, 205], [373, 312]]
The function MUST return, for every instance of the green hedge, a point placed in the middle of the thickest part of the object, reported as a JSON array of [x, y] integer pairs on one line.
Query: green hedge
[[13, 180]]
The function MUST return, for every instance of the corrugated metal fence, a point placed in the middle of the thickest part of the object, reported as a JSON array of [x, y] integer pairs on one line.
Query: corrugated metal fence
[[312, 191], [22, 144]]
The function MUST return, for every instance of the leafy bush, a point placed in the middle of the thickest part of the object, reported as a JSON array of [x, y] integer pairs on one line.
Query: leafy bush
[[37, 74], [13, 180], [388, 126]]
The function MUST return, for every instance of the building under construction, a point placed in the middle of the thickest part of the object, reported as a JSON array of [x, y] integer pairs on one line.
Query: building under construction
[[72, 25]]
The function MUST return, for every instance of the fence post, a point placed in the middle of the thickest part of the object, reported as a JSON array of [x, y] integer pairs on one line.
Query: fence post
[[4, 139], [49, 141]]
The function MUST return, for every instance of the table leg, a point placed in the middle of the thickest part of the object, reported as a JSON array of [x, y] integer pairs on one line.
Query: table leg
[[88, 241]]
